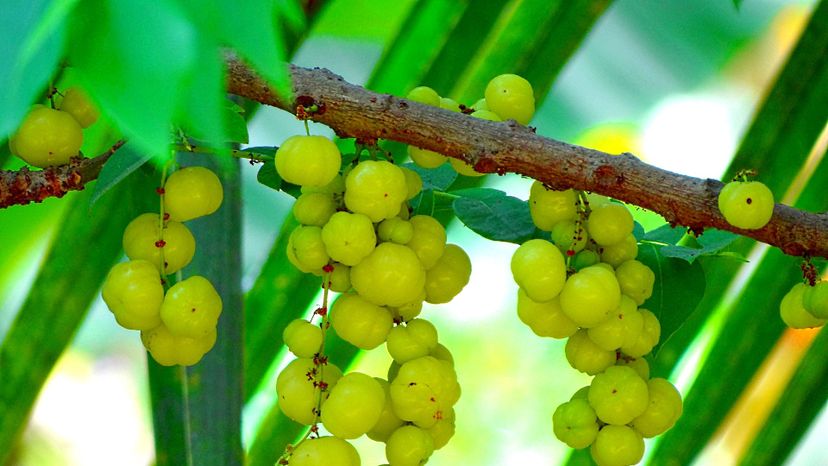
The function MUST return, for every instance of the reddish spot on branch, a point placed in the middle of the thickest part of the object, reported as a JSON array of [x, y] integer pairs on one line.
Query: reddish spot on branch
[[25, 186]]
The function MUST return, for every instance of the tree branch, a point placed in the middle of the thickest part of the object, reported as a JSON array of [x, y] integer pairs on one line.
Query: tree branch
[[504, 147], [490, 147], [24, 186]]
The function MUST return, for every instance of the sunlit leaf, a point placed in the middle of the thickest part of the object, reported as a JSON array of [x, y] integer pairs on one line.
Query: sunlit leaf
[[35, 31], [123, 162], [136, 83]]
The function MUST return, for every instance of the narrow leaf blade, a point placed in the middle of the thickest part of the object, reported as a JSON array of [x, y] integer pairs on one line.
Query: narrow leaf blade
[[122, 163]]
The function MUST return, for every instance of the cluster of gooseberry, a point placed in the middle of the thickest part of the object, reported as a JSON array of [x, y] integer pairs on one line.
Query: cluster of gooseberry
[[177, 323], [507, 96], [585, 284], [49, 136], [806, 304], [356, 232]]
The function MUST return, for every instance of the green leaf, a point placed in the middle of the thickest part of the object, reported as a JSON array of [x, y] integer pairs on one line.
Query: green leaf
[[712, 243], [5, 152], [423, 203], [802, 400], [204, 401], [793, 113], [679, 287], [88, 242], [638, 231], [28, 61], [532, 38], [665, 234], [439, 178], [235, 121], [494, 215], [268, 176], [280, 294], [137, 82], [411, 54], [249, 28], [203, 108], [168, 388], [464, 40], [122, 163], [262, 152]]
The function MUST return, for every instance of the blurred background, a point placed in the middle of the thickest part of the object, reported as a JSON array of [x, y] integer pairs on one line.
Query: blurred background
[[674, 82]]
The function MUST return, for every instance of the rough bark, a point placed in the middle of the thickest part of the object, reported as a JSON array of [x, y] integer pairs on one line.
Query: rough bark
[[491, 147], [509, 147]]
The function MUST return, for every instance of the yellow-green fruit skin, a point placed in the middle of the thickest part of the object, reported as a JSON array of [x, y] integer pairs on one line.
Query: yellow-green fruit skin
[[590, 295], [133, 292], [302, 338], [353, 406], [191, 307], [815, 300], [584, 355], [609, 224], [311, 161], [388, 421], [511, 96], [391, 275], [575, 423], [409, 446], [168, 349], [297, 395], [618, 395], [375, 188], [359, 322], [47, 137], [414, 340], [77, 103], [546, 319], [538, 267], [463, 168], [192, 192], [325, 451], [141, 237], [428, 240], [636, 280], [448, 276], [349, 237], [617, 446], [548, 207], [426, 158], [793, 312], [663, 409], [746, 204], [424, 95]]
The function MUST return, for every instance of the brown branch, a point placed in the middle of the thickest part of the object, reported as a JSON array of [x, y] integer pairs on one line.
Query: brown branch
[[492, 147], [25, 186]]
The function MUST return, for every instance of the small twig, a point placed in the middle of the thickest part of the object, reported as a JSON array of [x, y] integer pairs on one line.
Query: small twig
[[25, 186]]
